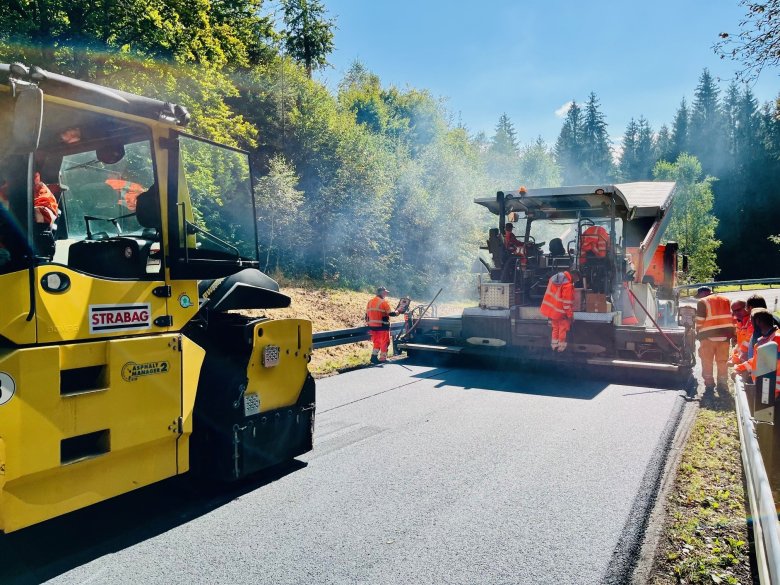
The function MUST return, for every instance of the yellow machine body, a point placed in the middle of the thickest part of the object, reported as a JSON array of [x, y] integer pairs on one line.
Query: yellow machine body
[[105, 372]]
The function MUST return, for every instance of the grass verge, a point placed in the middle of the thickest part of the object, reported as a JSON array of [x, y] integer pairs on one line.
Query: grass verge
[[705, 535]]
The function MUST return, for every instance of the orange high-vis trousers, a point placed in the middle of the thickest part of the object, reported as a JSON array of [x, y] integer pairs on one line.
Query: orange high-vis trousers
[[714, 353], [560, 327], [381, 341]]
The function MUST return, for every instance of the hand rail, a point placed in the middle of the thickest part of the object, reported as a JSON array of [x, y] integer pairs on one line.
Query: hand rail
[[739, 283], [344, 336], [762, 506]]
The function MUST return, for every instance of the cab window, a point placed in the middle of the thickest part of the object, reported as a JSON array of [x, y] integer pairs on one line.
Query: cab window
[[221, 214], [100, 170]]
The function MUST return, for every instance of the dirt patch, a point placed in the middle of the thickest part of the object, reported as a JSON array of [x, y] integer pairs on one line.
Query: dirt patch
[[331, 309]]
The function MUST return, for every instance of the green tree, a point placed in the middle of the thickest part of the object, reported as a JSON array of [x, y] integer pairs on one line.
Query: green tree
[[569, 146], [645, 151], [309, 33], [692, 224], [706, 131], [537, 166], [730, 112], [504, 141], [596, 153], [502, 156], [680, 139], [663, 144], [629, 162], [279, 204]]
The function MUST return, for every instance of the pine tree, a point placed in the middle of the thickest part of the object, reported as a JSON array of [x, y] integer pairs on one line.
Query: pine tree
[[504, 141], [747, 136], [628, 159], [730, 112], [706, 130], [596, 154], [663, 144], [501, 158], [645, 155], [309, 33], [679, 132], [568, 147]]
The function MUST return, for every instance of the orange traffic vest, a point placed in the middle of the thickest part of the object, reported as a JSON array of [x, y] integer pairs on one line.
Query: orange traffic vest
[[744, 335], [718, 319], [378, 314], [595, 239], [558, 302]]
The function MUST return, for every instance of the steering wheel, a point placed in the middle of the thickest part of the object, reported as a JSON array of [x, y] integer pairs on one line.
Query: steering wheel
[[113, 220]]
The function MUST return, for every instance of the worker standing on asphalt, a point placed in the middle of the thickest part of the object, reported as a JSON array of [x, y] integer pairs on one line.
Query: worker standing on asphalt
[[558, 306], [378, 315], [714, 329]]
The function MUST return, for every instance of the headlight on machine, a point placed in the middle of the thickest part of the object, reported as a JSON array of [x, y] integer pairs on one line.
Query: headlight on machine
[[686, 316], [271, 356]]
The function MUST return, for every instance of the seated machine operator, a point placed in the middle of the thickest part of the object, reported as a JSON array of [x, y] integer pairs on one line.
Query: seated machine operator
[[513, 245]]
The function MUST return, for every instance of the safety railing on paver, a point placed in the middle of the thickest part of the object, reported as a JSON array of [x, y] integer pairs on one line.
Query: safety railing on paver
[[344, 336], [739, 283], [766, 529]]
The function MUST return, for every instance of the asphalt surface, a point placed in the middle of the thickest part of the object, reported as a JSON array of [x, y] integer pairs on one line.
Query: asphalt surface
[[419, 475]]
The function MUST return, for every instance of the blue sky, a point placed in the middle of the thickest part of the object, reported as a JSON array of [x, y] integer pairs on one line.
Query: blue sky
[[530, 58]]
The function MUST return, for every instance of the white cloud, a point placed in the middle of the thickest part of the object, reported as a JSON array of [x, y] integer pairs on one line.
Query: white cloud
[[561, 112]]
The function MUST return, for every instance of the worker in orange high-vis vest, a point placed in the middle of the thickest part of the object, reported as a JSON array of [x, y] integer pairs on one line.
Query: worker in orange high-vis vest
[[378, 315], [714, 329], [594, 242], [558, 306], [764, 325], [744, 332]]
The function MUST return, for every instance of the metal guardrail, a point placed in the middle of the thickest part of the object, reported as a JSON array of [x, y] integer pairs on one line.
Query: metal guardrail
[[739, 283], [344, 336], [766, 529]]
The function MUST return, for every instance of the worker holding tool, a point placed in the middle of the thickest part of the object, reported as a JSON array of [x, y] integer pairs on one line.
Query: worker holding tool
[[763, 324], [744, 332], [378, 315], [558, 306], [714, 329]]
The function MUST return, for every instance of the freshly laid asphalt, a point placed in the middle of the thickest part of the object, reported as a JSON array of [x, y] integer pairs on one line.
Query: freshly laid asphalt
[[419, 475]]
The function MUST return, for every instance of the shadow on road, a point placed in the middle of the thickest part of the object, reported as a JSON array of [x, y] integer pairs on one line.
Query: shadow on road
[[554, 384], [44, 551]]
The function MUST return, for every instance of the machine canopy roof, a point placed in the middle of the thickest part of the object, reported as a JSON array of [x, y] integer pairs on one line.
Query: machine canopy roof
[[632, 201], [96, 95]]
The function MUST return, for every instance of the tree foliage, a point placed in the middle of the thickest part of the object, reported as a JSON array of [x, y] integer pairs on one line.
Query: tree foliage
[[568, 147], [373, 183], [308, 33], [596, 158], [692, 224], [757, 44]]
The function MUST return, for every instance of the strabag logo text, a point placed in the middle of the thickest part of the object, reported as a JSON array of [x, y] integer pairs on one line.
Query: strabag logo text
[[112, 318]]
